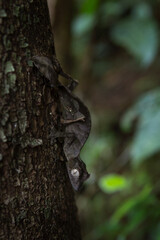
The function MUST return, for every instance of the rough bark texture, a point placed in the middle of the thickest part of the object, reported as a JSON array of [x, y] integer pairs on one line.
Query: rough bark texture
[[36, 198]]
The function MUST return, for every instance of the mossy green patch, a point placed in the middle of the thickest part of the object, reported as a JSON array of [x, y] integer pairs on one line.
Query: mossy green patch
[[11, 80], [3, 13], [9, 67]]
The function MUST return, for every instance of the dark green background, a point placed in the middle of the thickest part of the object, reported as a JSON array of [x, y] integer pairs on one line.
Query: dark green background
[[115, 50]]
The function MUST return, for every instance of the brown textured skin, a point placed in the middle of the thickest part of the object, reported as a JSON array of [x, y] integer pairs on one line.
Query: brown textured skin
[[75, 116], [36, 198]]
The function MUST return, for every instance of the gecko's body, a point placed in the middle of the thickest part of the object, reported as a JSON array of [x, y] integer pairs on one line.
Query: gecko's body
[[79, 125], [75, 116]]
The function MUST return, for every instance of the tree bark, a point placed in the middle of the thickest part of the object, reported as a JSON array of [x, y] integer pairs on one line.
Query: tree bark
[[36, 197]]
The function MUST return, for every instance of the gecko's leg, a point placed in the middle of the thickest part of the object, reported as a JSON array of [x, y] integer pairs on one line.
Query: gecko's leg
[[73, 83], [67, 121], [58, 134], [59, 70]]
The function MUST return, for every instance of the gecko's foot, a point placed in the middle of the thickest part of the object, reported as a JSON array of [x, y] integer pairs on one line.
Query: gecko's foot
[[68, 121], [73, 84], [58, 134], [54, 134]]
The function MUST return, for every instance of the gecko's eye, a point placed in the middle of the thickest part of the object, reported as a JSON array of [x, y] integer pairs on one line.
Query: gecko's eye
[[75, 172]]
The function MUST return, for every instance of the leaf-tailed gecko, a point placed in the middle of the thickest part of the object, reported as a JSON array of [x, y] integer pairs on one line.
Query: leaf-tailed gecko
[[75, 117]]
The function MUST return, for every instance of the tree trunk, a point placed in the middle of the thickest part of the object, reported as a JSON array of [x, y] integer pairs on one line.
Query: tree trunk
[[36, 197]]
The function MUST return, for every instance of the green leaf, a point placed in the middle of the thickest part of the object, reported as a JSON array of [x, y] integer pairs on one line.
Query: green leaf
[[89, 6], [112, 183], [142, 10], [146, 140], [102, 149], [82, 25], [139, 37], [156, 232], [128, 118], [130, 203]]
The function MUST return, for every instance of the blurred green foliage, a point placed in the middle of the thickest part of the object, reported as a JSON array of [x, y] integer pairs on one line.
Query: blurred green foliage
[[139, 37], [112, 183], [116, 44], [146, 140], [88, 6], [137, 33]]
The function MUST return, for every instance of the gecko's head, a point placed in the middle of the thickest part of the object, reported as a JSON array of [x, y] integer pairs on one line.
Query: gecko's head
[[45, 66], [77, 173]]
